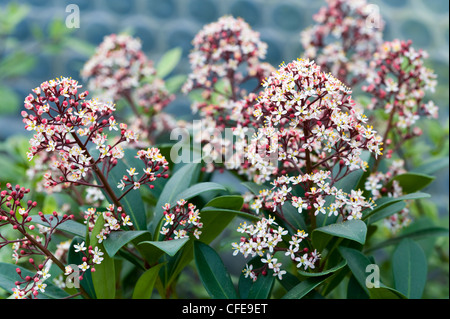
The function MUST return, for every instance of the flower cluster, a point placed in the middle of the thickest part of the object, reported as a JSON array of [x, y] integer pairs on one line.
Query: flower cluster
[[117, 67], [181, 220], [91, 256], [381, 184], [120, 69], [155, 167], [220, 51], [153, 97], [305, 120], [18, 216], [226, 60], [113, 218], [263, 238], [308, 135], [65, 122], [345, 36], [397, 81], [319, 196]]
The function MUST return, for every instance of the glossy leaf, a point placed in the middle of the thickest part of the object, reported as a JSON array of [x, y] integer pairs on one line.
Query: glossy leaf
[[387, 201], [355, 230], [295, 218], [198, 189], [116, 240], [233, 202], [384, 292], [386, 212], [432, 166], [416, 235], [103, 279], [304, 287], [357, 262], [354, 290], [331, 270], [170, 247], [212, 272], [412, 182], [409, 265], [146, 282]]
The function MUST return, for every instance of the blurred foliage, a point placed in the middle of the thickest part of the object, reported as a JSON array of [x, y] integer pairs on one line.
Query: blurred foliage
[[18, 59]]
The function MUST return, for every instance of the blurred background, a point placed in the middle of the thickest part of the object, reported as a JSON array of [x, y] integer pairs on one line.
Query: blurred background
[[36, 45]]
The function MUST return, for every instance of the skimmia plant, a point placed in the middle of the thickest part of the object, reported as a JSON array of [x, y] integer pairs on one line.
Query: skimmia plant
[[320, 180]]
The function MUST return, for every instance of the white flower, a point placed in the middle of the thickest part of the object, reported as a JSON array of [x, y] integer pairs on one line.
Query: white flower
[[80, 247], [84, 266]]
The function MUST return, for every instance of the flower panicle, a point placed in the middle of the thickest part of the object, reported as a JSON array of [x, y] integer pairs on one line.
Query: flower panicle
[[34, 239], [181, 221]]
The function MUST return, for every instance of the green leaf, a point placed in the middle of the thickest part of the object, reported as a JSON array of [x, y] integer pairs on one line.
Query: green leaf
[[212, 272], [355, 230], [233, 202], [432, 166], [146, 282], [354, 290], [387, 201], [78, 45], [168, 62], [384, 292], [357, 262], [181, 180], [196, 190], [8, 277], [416, 235], [116, 240], [304, 287], [174, 83], [9, 101], [331, 270], [16, 64], [412, 182], [409, 266], [50, 204], [104, 277], [170, 247], [386, 212], [11, 15]]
